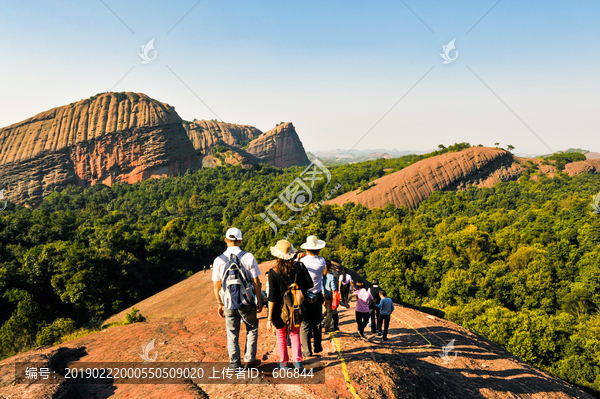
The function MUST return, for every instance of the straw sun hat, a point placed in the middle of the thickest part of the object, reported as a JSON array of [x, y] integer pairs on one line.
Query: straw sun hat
[[284, 250]]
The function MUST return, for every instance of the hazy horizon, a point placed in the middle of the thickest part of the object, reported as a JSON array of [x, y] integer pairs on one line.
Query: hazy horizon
[[337, 70]]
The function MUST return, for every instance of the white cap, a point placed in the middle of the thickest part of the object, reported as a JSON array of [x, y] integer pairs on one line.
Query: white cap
[[234, 234]]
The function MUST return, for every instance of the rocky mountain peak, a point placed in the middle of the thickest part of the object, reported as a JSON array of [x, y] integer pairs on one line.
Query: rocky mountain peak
[[280, 147]]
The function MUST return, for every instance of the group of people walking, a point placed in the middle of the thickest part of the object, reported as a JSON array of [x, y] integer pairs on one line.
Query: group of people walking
[[302, 293]]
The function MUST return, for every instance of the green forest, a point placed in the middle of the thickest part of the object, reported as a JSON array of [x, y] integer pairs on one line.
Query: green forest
[[518, 263]]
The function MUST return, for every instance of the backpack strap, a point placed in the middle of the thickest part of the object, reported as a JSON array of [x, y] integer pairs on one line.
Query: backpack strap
[[225, 269], [282, 277]]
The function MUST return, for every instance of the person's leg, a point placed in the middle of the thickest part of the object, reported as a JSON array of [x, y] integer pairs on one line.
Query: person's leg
[[328, 316], [289, 343], [386, 321], [379, 321], [377, 312], [364, 319], [336, 320], [317, 327], [251, 321], [305, 329], [296, 348], [373, 321], [344, 291], [312, 316], [281, 334], [232, 326]]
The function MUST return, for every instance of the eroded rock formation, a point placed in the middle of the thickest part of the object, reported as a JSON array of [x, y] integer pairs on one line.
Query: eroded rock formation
[[108, 138], [206, 135], [280, 147], [127, 137]]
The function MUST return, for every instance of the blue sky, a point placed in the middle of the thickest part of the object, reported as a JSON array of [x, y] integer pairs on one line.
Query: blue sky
[[332, 68]]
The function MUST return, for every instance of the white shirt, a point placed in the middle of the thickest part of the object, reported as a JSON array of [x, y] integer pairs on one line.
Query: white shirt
[[248, 261], [348, 279], [315, 266]]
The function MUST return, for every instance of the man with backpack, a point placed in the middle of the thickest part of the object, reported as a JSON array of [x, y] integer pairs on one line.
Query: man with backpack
[[236, 284], [373, 309]]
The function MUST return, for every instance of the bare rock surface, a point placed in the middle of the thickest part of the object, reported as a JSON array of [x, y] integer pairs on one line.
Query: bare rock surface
[[206, 135], [279, 147], [590, 165], [108, 138], [477, 166], [184, 322]]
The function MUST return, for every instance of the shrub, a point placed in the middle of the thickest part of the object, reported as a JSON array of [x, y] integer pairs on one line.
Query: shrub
[[134, 316], [50, 335]]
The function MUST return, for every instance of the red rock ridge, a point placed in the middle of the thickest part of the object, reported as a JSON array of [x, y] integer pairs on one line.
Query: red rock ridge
[[477, 166], [588, 166], [108, 138]]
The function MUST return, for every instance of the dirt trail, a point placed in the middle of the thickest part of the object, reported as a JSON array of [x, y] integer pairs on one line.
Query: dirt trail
[[183, 321]]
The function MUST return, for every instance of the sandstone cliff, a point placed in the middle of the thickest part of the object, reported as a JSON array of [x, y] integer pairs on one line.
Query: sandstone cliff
[[478, 166], [280, 147], [206, 135], [127, 137], [108, 138]]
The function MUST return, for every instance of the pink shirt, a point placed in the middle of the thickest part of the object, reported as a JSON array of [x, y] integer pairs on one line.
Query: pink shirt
[[362, 300]]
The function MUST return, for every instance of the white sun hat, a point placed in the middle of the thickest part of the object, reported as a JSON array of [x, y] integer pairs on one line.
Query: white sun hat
[[284, 250], [313, 243]]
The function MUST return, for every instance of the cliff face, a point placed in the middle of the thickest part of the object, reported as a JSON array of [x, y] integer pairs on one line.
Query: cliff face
[[106, 139], [478, 166], [279, 147], [206, 135]]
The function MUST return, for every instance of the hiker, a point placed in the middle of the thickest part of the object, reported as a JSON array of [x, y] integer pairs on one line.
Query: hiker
[[337, 272], [235, 272], [285, 276], [363, 299], [387, 307], [374, 310], [328, 287], [266, 303], [345, 283], [314, 297]]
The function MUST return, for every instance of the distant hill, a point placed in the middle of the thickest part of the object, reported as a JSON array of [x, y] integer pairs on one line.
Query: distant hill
[[344, 157]]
